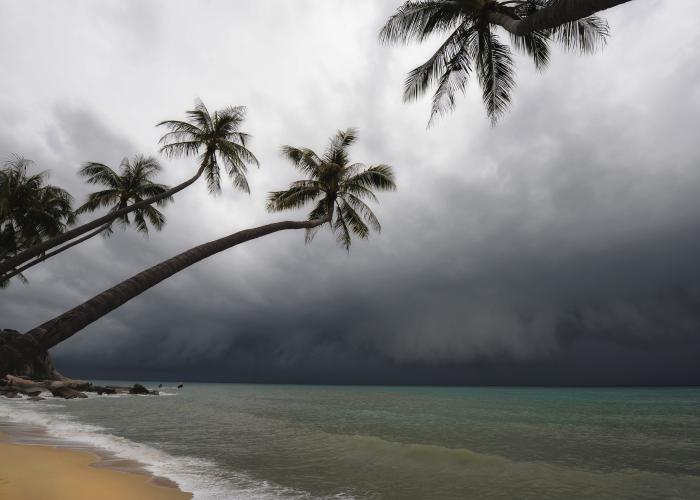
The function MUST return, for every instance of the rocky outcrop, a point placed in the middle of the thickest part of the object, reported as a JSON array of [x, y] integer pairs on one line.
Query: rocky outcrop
[[40, 376], [12, 386], [139, 389], [40, 368]]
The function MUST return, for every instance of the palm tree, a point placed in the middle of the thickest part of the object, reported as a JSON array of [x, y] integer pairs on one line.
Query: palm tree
[[472, 45], [213, 136], [30, 209], [132, 185], [337, 182], [337, 187], [554, 14]]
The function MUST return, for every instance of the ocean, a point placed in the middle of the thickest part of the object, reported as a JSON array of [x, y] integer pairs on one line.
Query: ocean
[[235, 441]]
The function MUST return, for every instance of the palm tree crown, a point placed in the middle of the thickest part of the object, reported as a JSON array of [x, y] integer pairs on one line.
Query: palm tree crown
[[30, 210], [215, 138], [473, 45], [132, 184], [337, 187]]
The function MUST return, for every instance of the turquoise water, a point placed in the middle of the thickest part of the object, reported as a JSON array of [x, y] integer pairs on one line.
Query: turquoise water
[[263, 441]]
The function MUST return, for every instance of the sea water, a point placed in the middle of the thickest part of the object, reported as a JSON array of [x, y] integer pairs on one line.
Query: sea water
[[227, 441]]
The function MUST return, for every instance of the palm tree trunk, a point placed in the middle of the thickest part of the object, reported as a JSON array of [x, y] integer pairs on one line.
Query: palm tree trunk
[[42, 258], [60, 328], [9, 264], [556, 14]]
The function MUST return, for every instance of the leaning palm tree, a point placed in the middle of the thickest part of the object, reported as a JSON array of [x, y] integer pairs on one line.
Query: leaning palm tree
[[131, 185], [553, 15], [337, 188], [333, 182], [473, 46], [30, 210], [214, 137]]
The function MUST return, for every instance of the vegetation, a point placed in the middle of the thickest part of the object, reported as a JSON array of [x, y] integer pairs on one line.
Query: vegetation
[[35, 217], [212, 136], [337, 187], [131, 185], [473, 46], [333, 180], [30, 209]]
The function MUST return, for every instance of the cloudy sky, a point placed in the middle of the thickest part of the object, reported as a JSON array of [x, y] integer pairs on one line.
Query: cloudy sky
[[560, 247]]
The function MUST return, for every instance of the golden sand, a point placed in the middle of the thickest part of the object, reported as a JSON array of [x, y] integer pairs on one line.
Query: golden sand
[[29, 472]]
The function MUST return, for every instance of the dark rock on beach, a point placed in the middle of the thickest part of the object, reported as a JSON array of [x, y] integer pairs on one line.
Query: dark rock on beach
[[67, 393], [40, 376], [139, 389]]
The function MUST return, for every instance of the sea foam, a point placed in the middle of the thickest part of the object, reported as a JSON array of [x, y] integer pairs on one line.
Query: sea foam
[[205, 479]]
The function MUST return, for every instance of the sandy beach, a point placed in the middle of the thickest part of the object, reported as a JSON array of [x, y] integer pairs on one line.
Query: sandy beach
[[31, 472]]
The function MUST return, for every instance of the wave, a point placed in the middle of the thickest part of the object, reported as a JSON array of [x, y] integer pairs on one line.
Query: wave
[[426, 452], [203, 478]]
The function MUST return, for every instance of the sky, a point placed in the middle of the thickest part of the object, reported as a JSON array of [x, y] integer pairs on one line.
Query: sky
[[558, 248]]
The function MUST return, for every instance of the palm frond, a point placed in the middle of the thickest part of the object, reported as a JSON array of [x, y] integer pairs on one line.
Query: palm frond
[[364, 210], [536, 45], [337, 148], [341, 230], [98, 173], [495, 71], [377, 177], [298, 195], [418, 19], [585, 35]]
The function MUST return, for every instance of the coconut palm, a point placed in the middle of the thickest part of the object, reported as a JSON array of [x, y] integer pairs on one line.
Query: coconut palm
[[473, 46], [337, 187], [554, 14], [214, 137], [131, 185], [30, 209], [332, 182]]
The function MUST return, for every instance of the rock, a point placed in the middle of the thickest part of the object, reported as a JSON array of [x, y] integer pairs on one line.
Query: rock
[[36, 398], [103, 390], [139, 389], [67, 392], [40, 368], [9, 394]]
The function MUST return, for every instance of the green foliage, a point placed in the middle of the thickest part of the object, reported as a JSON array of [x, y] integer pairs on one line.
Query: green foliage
[[216, 139], [336, 187], [473, 43], [131, 185], [30, 210]]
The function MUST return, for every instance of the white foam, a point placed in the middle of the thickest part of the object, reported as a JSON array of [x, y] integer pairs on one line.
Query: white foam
[[203, 478]]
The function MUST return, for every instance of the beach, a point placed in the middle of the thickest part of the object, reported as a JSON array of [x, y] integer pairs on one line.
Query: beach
[[266, 442], [37, 472]]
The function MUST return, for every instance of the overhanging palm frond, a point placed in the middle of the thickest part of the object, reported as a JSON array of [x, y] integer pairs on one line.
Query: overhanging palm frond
[[495, 70], [472, 42], [586, 35], [418, 19]]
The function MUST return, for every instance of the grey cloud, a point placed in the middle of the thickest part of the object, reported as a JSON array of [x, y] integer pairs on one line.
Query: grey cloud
[[559, 247]]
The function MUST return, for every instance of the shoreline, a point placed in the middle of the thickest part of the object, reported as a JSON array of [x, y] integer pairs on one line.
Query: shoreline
[[34, 465]]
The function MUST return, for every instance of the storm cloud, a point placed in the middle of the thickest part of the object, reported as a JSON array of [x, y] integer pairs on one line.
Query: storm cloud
[[559, 247]]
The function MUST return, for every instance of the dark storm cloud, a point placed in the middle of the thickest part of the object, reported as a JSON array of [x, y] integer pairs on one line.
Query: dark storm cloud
[[557, 248]]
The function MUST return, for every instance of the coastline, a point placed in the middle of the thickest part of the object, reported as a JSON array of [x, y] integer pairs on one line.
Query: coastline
[[57, 472]]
